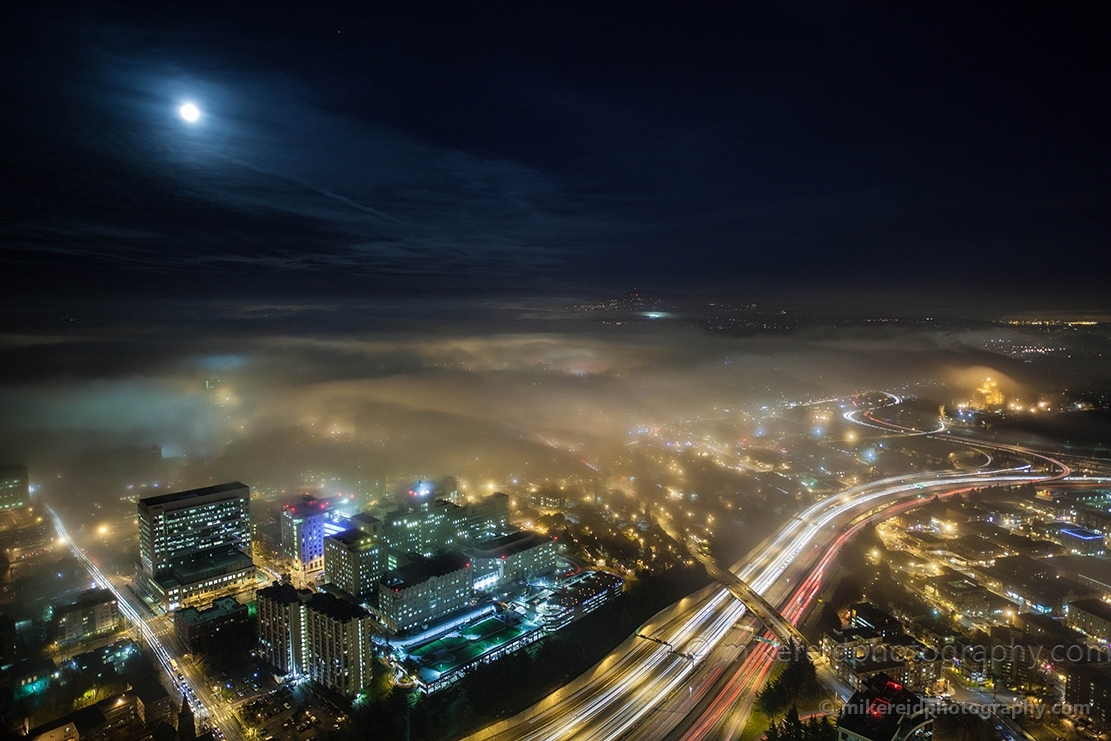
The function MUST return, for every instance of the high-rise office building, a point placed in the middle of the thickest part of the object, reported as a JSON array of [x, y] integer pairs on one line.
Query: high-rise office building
[[339, 652], [14, 491], [304, 527], [183, 523], [316, 635], [354, 561], [195, 545], [424, 591], [431, 525], [485, 520], [517, 557], [280, 635], [426, 526]]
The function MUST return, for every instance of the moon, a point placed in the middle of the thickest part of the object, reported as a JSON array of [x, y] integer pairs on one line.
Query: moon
[[189, 112]]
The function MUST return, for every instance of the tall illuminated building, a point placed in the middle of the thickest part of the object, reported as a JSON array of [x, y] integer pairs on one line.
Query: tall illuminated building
[[195, 545], [354, 561], [988, 396], [317, 636], [305, 525], [13, 487]]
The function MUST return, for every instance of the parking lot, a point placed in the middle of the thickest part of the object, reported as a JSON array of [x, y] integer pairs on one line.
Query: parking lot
[[292, 714], [244, 684]]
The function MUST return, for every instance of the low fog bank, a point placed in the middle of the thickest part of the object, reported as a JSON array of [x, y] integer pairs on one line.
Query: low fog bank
[[281, 395]]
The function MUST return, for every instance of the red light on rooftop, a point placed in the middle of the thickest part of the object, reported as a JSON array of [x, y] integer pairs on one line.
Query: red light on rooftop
[[878, 707]]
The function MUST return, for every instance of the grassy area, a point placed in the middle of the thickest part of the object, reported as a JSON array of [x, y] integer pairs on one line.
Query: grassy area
[[758, 722], [459, 649]]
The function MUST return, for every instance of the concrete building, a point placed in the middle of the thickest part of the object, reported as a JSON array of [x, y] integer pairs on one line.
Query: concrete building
[[486, 519], [858, 654], [1034, 584], [1092, 572], [867, 615], [111, 719], [959, 593], [425, 529], [424, 591], [201, 629], [14, 489], [280, 614], [583, 595], [425, 526], [1081, 541], [338, 651], [94, 612], [200, 579], [354, 561], [304, 527], [318, 636], [1088, 687], [517, 557], [195, 545], [884, 710], [1091, 617], [25, 533]]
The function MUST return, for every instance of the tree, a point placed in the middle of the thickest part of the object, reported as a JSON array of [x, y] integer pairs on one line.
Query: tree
[[792, 728]]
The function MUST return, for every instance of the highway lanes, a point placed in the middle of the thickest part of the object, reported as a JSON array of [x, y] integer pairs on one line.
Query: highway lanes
[[626, 688]]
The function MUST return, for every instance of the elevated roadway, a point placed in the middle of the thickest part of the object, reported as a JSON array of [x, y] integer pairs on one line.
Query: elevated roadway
[[629, 687], [646, 689]]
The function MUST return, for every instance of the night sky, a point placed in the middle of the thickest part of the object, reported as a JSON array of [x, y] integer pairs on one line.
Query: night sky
[[520, 148]]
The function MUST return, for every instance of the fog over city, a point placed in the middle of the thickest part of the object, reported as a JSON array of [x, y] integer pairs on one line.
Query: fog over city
[[529, 389], [554, 371]]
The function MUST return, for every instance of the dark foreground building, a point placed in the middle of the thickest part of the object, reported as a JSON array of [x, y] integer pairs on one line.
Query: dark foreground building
[[884, 710]]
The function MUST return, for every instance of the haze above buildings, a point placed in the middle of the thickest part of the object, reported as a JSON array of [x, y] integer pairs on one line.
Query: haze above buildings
[[388, 341]]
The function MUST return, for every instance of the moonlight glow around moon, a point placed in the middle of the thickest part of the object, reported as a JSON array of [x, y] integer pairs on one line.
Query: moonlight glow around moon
[[189, 112]]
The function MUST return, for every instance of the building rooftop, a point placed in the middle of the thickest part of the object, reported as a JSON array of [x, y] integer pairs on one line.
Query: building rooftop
[[424, 569], [1047, 626], [353, 538], [308, 506], [1096, 607], [335, 608], [1037, 575], [220, 608], [1081, 533], [867, 615], [150, 691], [1096, 570], [507, 545], [852, 635], [89, 598], [879, 710], [284, 594], [86, 720], [197, 567], [181, 496]]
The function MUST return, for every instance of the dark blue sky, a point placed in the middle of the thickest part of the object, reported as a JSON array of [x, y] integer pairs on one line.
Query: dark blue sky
[[392, 148]]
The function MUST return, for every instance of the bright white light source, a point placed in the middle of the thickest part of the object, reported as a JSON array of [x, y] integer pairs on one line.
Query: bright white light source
[[189, 112]]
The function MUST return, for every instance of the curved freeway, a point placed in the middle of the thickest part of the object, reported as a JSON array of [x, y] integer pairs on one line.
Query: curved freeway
[[697, 639], [640, 678]]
